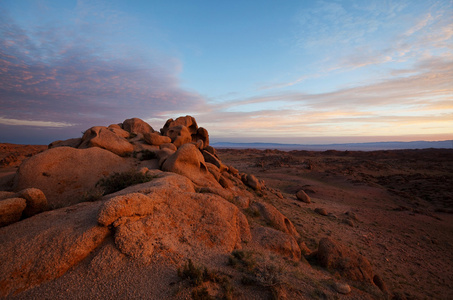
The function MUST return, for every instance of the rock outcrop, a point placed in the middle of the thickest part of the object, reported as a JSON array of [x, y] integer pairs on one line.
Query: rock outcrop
[[186, 204]]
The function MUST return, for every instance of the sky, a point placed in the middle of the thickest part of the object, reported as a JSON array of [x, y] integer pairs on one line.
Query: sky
[[307, 72]]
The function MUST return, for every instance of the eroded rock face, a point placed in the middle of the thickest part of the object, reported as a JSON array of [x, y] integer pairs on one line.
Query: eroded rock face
[[64, 174]]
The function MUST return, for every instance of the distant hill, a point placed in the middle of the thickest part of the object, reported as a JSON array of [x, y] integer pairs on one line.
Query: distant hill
[[448, 144]]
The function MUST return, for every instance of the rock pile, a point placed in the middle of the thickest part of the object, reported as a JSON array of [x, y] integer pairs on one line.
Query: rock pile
[[188, 206], [191, 205]]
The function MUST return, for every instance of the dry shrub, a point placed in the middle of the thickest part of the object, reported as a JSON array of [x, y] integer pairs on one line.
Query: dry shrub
[[118, 181]]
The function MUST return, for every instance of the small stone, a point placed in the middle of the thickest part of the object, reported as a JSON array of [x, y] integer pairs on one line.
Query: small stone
[[304, 249], [302, 196], [379, 283], [342, 288], [348, 222], [321, 211], [352, 215], [253, 182]]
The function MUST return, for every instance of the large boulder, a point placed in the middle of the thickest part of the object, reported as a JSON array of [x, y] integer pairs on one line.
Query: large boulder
[[66, 143], [11, 210], [277, 241], [154, 138], [116, 129], [136, 126], [202, 134], [189, 161], [210, 158], [275, 218], [252, 181], [186, 121], [350, 264], [65, 174], [44, 247], [102, 137], [167, 214], [179, 135], [185, 223]]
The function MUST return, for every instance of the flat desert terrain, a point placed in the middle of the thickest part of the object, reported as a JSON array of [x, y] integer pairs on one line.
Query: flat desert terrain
[[401, 202]]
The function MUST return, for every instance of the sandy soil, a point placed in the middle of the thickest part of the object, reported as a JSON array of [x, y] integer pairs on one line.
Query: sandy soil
[[402, 203]]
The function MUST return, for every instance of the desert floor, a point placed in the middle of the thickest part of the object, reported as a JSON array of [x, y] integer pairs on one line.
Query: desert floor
[[402, 201]]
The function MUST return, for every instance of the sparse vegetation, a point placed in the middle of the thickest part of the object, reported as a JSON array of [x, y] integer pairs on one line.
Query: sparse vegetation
[[199, 275], [119, 181], [252, 212], [195, 274], [260, 272], [147, 155], [93, 195], [201, 294], [243, 260]]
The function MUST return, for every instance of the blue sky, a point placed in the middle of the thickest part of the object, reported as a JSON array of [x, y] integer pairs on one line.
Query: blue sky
[[281, 71]]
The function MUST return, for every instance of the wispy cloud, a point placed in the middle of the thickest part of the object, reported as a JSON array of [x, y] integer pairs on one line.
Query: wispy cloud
[[418, 103], [57, 74], [15, 122]]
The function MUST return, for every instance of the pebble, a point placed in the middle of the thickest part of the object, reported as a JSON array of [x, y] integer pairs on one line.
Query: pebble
[[342, 288], [321, 211]]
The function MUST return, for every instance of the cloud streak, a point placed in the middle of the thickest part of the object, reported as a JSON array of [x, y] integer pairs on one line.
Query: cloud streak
[[420, 102], [59, 76]]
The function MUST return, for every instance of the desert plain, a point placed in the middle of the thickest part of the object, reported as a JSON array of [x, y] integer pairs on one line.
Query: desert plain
[[226, 223]]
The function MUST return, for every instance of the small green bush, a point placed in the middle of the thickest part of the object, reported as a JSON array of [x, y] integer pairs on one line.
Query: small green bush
[[118, 181]]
